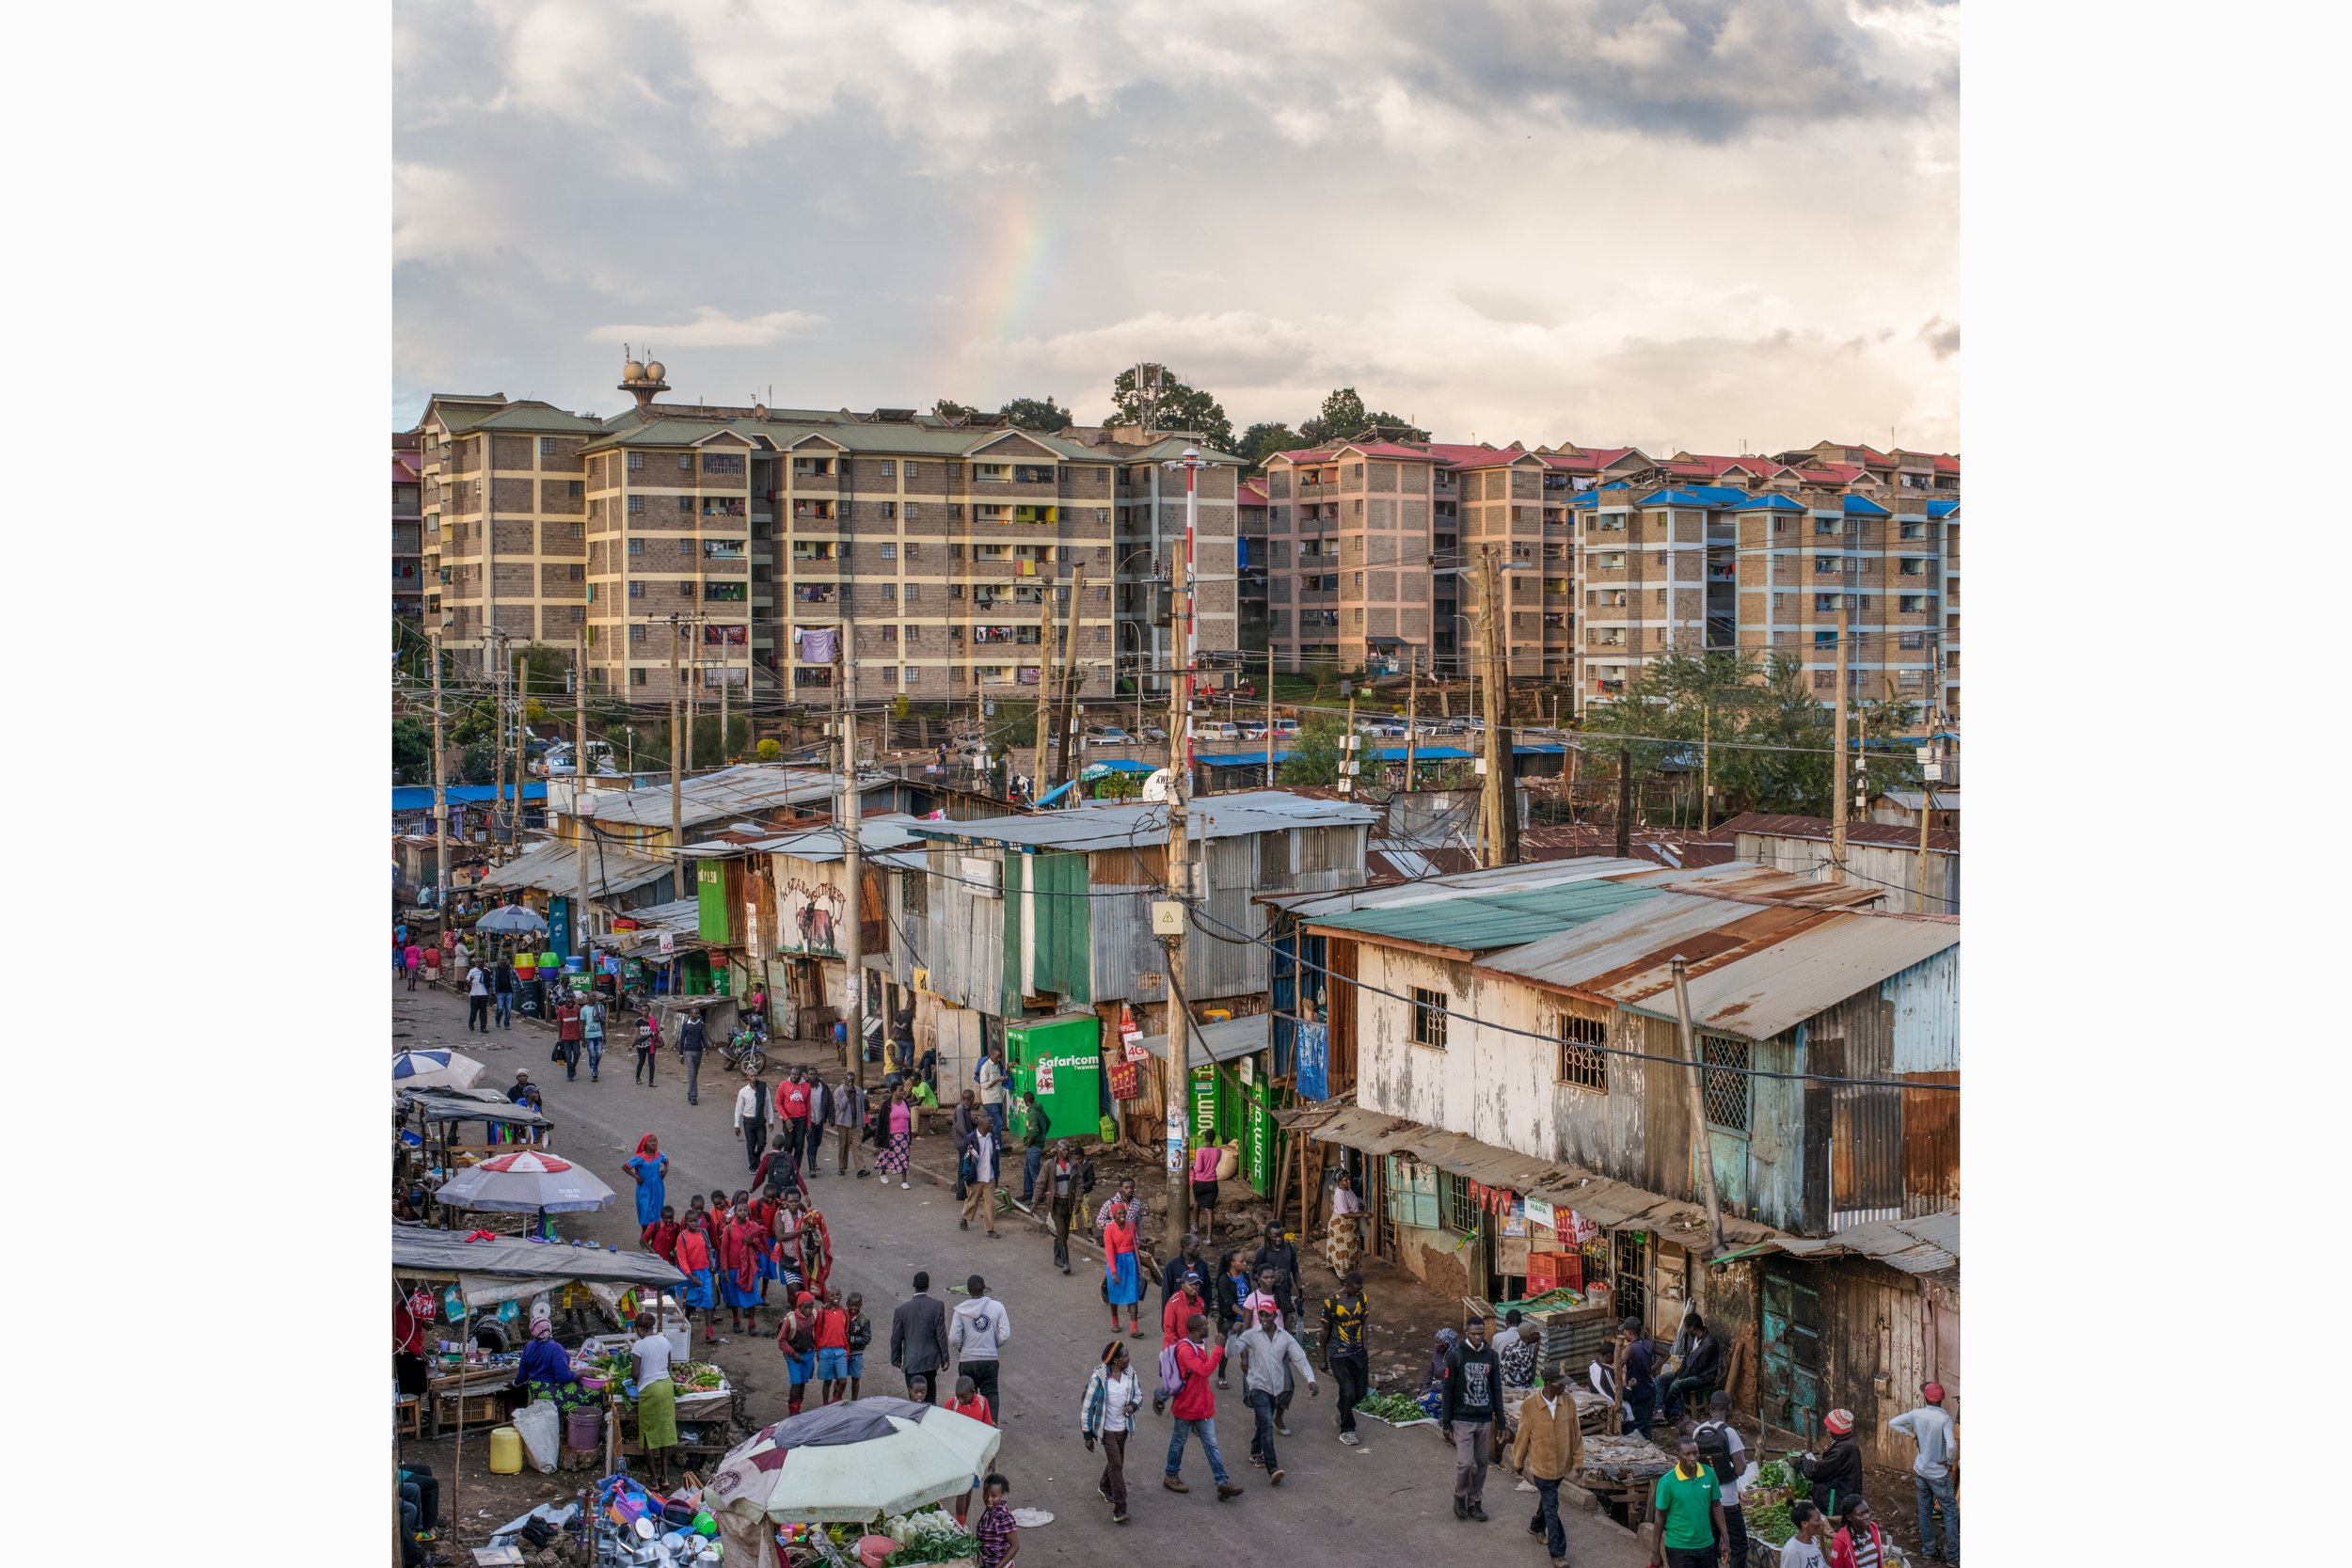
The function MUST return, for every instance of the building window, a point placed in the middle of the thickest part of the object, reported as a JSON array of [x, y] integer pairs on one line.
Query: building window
[[575, 489], [637, 547], [1824, 681], [723, 463], [1725, 1080], [1583, 1062], [547, 445], [1825, 639], [636, 461], [685, 589], [1913, 531], [636, 636], [1826, 525], [1429, 1019], [889, 634], [1911, 604], [637, 588], [890, 511], [909, 595], [889, 551], [915, 634], [636, 504], [686, 462], [686, 546], [686, 505], [1825, 566], [1827, 602], [890, 467], [914, 552], [1463, 1212], [1912, 639], [636, 677], [1914, 566]]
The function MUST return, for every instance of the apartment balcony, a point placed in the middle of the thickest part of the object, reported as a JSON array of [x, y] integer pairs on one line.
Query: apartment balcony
[[804, 483]]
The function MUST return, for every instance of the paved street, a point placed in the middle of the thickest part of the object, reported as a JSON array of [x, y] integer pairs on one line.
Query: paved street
[[1386, 1501]]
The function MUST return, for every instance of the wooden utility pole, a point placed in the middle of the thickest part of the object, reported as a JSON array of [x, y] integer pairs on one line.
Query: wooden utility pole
[[579, 788], [1043, 754], [725, 750], [693, 667], [522, 712], [853, 866], [1502, 826], [441, 868], [1177, 1090], [1351, 748], [1269, 713], [494, 666], [1838, 784], [1071, 681], [1702, 1151], [1412, 717], [1707, 789], [1927, 810], [678, 775], [1625, 799]]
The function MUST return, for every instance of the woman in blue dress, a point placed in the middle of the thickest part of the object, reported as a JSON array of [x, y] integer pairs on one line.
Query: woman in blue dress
[[648, 1165]]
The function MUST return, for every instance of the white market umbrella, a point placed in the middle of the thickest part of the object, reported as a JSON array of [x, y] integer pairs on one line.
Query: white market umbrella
[[513, 920], [527, 1180], [853, 1462], [434, 1069]]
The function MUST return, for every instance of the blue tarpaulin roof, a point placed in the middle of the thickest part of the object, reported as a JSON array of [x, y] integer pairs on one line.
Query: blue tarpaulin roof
[[1769, 503], [420, 796]]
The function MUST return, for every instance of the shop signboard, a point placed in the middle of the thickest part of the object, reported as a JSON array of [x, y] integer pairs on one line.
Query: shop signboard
[[559, 924], [1204, 1106], [1261, 1131]]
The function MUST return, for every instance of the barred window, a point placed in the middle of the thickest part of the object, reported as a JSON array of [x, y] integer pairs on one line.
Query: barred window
[[636, 461], [1429, 1019], [1463, 1214], [1583, 1062], [1725, 1080]]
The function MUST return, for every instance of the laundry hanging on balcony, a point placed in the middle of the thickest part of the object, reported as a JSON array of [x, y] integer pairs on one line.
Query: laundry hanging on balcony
[[815, 645]]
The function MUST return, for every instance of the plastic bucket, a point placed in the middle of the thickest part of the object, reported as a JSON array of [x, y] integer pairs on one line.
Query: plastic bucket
[[506, 1451], [583, 1429]]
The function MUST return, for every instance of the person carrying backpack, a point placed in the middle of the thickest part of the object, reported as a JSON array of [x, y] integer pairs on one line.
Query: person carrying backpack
[[1722, 1452]]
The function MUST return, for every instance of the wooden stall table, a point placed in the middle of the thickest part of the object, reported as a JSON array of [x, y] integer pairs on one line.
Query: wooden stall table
[[1622, 1472], [487, 1393]]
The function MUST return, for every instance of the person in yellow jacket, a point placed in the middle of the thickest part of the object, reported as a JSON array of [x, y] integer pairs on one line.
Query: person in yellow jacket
[[1549, 1449]]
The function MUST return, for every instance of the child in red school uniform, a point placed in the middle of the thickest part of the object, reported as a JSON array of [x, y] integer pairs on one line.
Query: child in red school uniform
[[661, 1238], [970, 1402]]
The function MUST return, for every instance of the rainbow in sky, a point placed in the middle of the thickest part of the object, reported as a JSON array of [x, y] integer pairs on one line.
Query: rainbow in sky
[[1015, 263]]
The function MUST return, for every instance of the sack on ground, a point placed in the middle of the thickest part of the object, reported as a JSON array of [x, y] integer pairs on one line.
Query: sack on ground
[[540, 1426]]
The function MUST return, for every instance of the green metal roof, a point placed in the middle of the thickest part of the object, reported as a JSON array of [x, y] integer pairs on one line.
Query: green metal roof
[[1477, 922]]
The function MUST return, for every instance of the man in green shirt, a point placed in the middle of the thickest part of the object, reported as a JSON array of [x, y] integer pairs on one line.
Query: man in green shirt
[[1686, 1513]]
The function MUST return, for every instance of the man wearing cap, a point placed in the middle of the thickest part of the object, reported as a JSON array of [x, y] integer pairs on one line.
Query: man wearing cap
[[1836, 1472], [1473, 1402], [1931, 1427], [1549, 1449], [1270, 1358]]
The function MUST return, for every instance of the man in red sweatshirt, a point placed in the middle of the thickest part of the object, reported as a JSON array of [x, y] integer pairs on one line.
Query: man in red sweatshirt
[[1179, 1310], [1195, 1407]]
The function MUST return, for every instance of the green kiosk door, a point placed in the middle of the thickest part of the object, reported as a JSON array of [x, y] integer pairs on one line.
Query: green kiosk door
[[1062, 1059]]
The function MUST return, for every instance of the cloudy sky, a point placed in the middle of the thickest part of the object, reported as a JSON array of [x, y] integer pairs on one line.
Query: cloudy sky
[[1695, 223]]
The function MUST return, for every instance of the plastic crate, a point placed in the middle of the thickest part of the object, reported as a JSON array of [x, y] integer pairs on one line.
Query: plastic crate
[[1551, 1271]]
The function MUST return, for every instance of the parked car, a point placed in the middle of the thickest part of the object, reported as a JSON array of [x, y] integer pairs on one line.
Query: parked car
[[1253, 729], [1107, 735], [1216, 729], [1155, 734], [1286, 727]]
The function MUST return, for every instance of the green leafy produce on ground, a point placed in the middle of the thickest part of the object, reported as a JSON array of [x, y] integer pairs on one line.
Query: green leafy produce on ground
[[1771, 1523], [1392, 1407]]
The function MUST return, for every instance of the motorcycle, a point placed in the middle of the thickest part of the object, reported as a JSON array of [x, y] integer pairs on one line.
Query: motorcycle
[[745, 1052]]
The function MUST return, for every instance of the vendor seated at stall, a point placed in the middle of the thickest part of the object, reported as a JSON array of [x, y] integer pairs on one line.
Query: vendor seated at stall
[[545, 1373]]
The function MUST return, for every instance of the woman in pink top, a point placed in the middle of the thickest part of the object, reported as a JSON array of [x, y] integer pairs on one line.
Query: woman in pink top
[[1204, 1160], [900, 1129]]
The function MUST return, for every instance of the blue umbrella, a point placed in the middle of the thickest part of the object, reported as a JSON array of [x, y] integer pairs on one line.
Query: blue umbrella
[[429, 1069]]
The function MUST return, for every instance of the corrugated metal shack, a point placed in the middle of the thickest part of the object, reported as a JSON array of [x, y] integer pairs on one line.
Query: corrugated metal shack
[[1026, 915], [1564, 1048], [1859, 1320], [1878, 855]]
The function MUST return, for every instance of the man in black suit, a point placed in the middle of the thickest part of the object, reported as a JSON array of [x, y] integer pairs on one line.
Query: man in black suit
[[918, 1339]]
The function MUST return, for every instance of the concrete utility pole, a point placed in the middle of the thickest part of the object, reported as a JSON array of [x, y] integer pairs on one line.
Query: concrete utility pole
[[678, 775], [1838, 784], [725, 752], [494, 666], [579, 788], [1702, 1150], [1073, 681], [846, 815], [1707, 714], [1042, 750], [1351, 747], [694, 667], [441, 869], [1178, 1088], [1501, 803]]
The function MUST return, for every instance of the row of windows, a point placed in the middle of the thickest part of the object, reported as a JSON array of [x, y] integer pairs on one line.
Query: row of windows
[[1583, 1060]]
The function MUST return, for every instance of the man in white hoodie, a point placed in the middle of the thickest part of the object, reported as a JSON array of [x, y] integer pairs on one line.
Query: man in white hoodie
[[974, 1334]]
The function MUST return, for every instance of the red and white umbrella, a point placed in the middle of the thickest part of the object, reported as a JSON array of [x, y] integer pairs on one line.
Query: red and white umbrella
[[528, 1182]]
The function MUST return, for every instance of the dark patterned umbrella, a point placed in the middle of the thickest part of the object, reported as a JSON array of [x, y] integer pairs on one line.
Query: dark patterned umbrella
[[855, 1461]]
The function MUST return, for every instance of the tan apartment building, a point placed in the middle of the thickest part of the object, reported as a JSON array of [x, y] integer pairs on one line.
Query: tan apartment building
[[1147, 534], [503, 505], [1350, 542], [407, 529], [732, 531]]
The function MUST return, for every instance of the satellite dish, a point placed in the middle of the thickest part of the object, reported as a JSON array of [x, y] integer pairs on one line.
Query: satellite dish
[[1158, 785]]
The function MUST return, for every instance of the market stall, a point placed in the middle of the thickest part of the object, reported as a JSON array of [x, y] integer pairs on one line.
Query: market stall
[[473, 1294], [533, 1183]]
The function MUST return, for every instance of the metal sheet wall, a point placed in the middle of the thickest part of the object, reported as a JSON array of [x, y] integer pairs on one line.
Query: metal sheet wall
[[965, 931]]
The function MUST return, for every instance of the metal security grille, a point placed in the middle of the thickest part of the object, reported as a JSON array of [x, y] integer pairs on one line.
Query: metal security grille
[[1462, 1213], [1582, 1063], [1429, 1019], [1725, 1080]]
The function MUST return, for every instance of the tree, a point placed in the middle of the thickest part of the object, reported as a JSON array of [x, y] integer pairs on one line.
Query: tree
[[1314, 753], [1263, 440], [948, 408], [772, 750], [1043, 415], [412, 751], [1343, 416], [1177, 407], [477, 764]]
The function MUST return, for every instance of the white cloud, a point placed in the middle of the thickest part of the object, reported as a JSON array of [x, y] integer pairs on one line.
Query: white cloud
[[710, 327], [1605, 216]]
